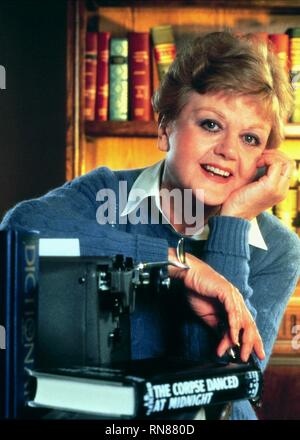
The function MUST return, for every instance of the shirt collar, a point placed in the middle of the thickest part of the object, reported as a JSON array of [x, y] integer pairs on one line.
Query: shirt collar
[[147, 185]]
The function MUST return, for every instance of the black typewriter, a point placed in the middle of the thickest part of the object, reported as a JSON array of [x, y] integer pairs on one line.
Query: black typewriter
[[84, 310]]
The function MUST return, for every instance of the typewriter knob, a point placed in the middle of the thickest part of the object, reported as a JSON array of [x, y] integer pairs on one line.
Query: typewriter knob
[[145, 278], [115, 336], [82, 280], [166, 282], [116, 306], [103, 281]]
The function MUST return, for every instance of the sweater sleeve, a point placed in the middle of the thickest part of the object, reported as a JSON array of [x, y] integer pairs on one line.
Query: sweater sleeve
[[70, 212], [266, 288], [227, 251], [274, 273]]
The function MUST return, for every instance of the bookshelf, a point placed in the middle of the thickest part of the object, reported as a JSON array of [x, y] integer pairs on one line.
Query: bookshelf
[[92, 144], [122, 129], [133, 143]]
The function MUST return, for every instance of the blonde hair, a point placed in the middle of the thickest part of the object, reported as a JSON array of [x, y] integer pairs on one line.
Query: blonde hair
[[234, 64]]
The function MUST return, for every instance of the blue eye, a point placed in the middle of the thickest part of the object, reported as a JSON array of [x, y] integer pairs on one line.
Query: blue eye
[[210, 125], [250, 139]]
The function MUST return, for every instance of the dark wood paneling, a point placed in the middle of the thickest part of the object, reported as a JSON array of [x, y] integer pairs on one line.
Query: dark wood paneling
[[281, 399], [32, 111]]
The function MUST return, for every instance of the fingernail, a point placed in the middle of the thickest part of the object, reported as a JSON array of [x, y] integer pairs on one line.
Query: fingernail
[[236, 338], [245, 358], [220, 353]]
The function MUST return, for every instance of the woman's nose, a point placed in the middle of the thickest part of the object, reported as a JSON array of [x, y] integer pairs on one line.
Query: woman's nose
[[227, 148]]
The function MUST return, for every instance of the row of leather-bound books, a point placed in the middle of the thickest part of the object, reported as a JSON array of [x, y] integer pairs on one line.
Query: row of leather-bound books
[[121, 73]]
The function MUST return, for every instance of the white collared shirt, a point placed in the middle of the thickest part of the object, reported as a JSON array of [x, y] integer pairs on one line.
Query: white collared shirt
[[148, 184]]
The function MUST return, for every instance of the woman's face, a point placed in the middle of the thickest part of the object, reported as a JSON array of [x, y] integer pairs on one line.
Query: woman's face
[[214, 145]]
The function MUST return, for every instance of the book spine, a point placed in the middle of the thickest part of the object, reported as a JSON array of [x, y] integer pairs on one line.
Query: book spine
[[280, 45], [294, 61], [118, 79], [19, 284], [194, 392], [139, 76], [297, 219], [154, 80], [286, 210], [102, 77], [90, 75], [25, 316], [164, 48], [290, 319]]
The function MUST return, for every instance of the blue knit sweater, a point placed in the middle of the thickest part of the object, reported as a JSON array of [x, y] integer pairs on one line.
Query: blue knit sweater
[[266, 279]]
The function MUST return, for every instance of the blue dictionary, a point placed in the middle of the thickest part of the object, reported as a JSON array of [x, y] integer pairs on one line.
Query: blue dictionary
[[19, 251]]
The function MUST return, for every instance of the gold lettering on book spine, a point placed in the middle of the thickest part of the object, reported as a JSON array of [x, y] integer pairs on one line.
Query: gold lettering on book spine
[[165, 53]]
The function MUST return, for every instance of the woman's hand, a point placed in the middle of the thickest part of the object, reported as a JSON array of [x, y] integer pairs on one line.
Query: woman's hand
[[250, 200], [210, 295]]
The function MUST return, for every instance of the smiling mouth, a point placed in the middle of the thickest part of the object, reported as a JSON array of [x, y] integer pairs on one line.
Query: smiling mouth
[[215, 171]]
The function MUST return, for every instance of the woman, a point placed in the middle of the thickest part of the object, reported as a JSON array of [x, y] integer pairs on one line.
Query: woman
[[221, 110]]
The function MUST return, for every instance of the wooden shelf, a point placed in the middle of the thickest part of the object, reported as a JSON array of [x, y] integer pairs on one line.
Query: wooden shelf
[[122, 129], [148, 129], [265, 4]]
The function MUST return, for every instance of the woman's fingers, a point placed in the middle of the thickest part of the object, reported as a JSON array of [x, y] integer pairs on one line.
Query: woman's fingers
[[224, 345], [273, 155], [250, 341], [209, 284], [247, 343], [240, 321], [208, 289], [232, 308], [206, 308], [288, 168], [279, 165], [259, 348]]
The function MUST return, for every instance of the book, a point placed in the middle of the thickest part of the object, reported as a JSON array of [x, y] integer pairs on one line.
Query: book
[[294, 62], [139, 76], [286, 210], [155, 83], [90, 75], [144, 388], [280, 45], [102, 92], [118, 79], [18, 316], [164, 48]]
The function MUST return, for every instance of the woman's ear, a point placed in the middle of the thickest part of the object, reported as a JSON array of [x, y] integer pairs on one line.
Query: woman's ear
[[163, 141]]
